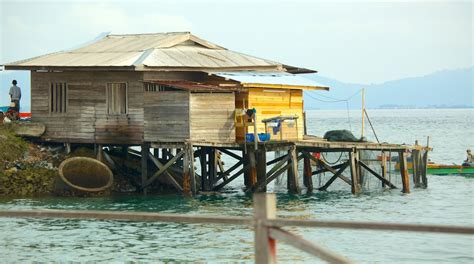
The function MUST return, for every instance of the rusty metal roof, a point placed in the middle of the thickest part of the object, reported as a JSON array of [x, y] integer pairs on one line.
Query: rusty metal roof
[[160, 51], [195, 86]]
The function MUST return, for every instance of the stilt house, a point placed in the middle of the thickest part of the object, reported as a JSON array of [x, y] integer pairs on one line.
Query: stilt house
[[164, 87]]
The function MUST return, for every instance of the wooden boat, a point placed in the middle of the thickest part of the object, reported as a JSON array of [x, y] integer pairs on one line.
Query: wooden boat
[[441, 169]]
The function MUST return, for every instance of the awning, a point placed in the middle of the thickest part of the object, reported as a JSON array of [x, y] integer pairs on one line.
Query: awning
[[194, 86], [271, 80]]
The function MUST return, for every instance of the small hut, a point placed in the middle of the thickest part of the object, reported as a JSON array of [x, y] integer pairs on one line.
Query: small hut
[[163, 87]]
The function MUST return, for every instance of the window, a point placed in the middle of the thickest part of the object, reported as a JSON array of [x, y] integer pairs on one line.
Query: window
[[117, 98], [156, 87], [58, 98]]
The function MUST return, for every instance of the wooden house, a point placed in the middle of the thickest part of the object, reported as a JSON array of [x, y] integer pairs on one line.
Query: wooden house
[[164, 87]]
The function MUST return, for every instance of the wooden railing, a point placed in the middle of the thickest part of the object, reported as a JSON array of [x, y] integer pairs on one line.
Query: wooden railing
[[267, 228]]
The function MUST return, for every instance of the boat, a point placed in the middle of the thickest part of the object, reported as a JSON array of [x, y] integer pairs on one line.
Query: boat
[[441, 169]]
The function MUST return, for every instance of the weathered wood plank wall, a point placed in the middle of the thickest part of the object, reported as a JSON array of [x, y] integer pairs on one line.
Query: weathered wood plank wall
[[167, 116], [86, 119], [212, 117]]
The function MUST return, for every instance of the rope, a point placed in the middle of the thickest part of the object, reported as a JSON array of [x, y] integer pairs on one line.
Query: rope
[[331, 163]]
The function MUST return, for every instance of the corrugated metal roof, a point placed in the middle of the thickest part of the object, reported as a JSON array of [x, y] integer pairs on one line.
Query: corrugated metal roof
[[160, 50], [270, 78], [194, 86]]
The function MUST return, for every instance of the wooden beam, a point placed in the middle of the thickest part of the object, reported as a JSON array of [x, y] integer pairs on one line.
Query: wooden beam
[[415, 156], [212, 167], [275, 160], [424, 169], [327, 167], [230, 170], [380, 177], [334, 177], [163, 168], [307, 246], [253, 167], [231, 178], [233, 155]]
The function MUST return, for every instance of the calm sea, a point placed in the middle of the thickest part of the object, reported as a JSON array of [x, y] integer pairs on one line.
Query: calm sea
[[448, 200]]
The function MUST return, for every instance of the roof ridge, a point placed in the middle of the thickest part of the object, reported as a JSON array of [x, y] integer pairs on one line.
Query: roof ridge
[[156, 33]]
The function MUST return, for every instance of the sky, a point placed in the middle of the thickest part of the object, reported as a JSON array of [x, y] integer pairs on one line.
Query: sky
[[353, 41]]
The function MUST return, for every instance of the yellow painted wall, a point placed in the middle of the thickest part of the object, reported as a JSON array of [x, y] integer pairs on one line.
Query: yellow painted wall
[[270, 103]]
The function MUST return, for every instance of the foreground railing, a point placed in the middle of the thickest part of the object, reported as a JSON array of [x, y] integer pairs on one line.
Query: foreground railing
[[267, 227]]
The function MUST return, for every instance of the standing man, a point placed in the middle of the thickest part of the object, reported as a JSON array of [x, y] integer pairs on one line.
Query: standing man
[[15, 95]]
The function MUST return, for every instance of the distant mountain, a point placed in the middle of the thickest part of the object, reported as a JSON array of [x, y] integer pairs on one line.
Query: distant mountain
[[449, 88]]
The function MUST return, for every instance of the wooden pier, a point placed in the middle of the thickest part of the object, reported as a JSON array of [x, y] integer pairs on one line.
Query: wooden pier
[[257, 170]]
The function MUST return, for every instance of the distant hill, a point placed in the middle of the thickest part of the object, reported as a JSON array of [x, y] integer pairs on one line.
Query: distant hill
[[449, 88]]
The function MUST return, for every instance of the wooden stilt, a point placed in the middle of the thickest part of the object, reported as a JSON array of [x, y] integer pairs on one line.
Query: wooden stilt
[[212, 167], [246, 162], [383, 165], [308, 174], [156, 153], [293, 180], [192, 173], [424, 179], [415, 156], [145, 150], [355, 185], [261, 167], [253, 168], [186, 172], [404, 171], [204, 173], [99, 153]]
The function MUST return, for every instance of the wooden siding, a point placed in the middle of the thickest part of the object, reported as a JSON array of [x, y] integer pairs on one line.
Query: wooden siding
[[86, 119], [212, 117], [271, 103], [167, 116]]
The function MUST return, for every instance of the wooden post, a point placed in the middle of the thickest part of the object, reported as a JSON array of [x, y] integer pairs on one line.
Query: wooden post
[[308, 174], [192, 173], [355, 185], [402, 156], [304, 123], [415, 155], [265, 247], [424, 169], [246, 162], [99, 153], [156, 153], [383, 164], [262, 167], [204, 173], [253, 167], [145, 150], [212, 167], [292, 178], [186, 176]]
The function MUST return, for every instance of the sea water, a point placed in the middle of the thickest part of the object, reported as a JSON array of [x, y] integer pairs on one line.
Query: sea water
[[449, 200]]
